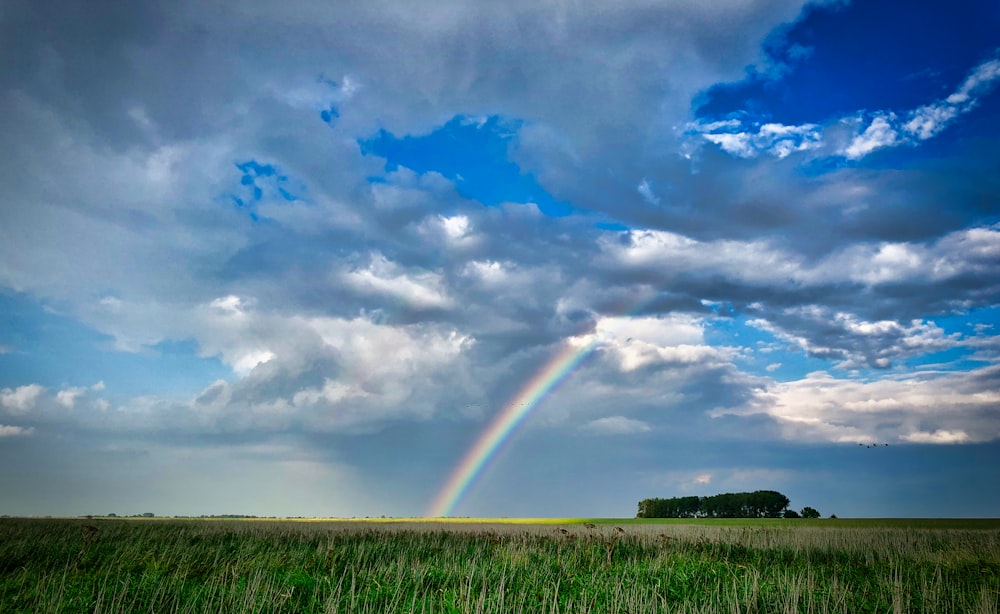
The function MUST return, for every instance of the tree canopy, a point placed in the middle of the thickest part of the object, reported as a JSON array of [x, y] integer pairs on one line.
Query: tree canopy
[[757, 504]]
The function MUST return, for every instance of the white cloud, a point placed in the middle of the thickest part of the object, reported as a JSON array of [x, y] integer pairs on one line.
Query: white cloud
[[930, 407], [67, 397], [735, 143], [938, 436], [456, 231], [488, 272], [14, 431], [616, 425], [22, 399], [645, 190], [877, 135], [929, 120], [674, 254], [858, 343], [635, 342], [384, 277], [778, 140], [747, 139], [663, 331], [973, 250]]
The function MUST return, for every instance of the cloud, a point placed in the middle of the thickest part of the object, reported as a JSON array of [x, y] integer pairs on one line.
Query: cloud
[[68, 396], [929, 120], [455, 231], [922, 407], [748, 138], [974, 251], [858, 343], [14, 431], [937, 437], [616, 425], [778, 140], [335, 309], [645, 190], [382, 277], [22, 399], [877, 135]]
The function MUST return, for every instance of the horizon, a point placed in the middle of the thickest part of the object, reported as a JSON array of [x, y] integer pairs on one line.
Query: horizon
[[529, 260]]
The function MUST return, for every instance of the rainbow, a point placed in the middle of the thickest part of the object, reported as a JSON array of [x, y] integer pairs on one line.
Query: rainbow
[[505, 424]]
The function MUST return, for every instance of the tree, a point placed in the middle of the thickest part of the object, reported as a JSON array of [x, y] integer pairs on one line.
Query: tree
[[809, 512], [792, 514], [757, 504]]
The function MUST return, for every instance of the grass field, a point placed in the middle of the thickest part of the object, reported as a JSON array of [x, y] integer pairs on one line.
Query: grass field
[[500, 565]]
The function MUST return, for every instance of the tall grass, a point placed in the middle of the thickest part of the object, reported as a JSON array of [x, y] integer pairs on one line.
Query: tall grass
[[192, 566]]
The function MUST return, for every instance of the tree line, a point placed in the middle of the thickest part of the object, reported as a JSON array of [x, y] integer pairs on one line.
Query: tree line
[[757, 504]]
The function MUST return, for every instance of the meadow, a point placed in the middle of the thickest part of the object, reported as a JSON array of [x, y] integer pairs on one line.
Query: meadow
[[475, 565]]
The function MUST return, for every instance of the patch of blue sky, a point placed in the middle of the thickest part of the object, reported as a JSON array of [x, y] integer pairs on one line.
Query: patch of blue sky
[[981, 320], [258, 180], [952, 359], [612, 226], [57, 351], [875, 55], [764, 354], [329, 115], [475, 154]]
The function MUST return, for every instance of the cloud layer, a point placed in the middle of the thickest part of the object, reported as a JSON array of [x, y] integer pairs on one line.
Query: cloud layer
[[196, 185]]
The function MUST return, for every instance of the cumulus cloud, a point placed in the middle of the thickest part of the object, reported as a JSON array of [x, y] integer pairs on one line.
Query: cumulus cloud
[[454, 231], [383, 277], [922, 407], [973, 251], [22, 399]]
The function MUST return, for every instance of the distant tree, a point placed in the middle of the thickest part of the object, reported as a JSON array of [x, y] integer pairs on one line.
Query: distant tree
[[112, 515], [792, 514], [757, 504], [809, 512], [833, 516], [148, 515]]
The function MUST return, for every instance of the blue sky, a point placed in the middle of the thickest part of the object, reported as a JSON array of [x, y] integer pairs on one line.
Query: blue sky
[[291, 260]]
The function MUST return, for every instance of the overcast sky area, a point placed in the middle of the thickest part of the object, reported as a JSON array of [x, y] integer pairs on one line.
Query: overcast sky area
[[291, 258]]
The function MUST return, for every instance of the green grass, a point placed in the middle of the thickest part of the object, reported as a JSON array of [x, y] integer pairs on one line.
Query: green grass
[[499, 566], [884, 523]]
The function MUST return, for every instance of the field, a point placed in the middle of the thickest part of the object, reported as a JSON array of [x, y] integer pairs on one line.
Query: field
[[562, 565]]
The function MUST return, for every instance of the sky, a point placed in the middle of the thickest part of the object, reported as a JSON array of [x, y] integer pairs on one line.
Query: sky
[[541, 258]]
